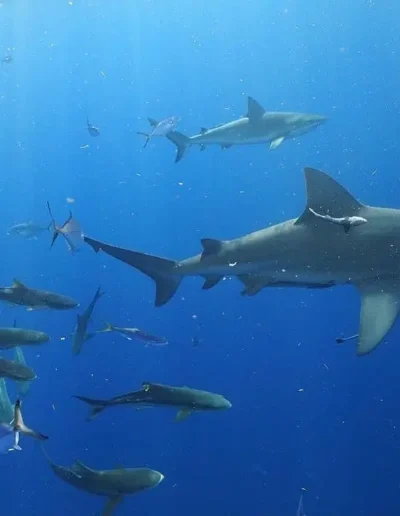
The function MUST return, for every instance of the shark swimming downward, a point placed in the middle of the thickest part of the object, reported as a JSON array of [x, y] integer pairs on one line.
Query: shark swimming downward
[[303, 252], [256, 127]]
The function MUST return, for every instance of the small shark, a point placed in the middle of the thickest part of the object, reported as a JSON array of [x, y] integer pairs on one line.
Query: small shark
[[80, 334], [186, 399], [114, 484], [28, 230], [305, 252], [258, 126], [20, 294], [92, 129], [346, 222]]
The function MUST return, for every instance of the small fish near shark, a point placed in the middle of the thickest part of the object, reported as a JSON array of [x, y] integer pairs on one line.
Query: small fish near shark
[[28, 230], [187, 400], [302, 252], [161, 128], [114, 484], [257, 127]]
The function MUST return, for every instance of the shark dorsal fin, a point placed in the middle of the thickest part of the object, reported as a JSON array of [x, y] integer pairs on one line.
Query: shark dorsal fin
[[327, 196], [210, 246], [152, 122], [18, 284], [254, 109], [203, 130]]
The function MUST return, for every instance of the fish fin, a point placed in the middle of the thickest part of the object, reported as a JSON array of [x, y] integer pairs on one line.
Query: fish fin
[[147, 138], [203, 130], [181, 141], [152, 122], [158, 269], [211, 281], [18, 284], [380, 306], [111, 504], [107, 328], [202, 147], [182, 415], [326, 195], [252, 284], [254, 110], [97, 406], [210, 246], [276, 143], [21, 428]]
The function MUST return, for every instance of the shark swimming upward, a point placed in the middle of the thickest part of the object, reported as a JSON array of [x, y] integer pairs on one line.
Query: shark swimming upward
[[303, 252], [258, 126]]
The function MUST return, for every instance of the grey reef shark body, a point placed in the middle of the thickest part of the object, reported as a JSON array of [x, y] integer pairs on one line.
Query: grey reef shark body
[[257, 127], [20, 294], [16, 371], [80, 334], [187, 400], [301, 252], [114, 484], [346, 222], [13, 337]]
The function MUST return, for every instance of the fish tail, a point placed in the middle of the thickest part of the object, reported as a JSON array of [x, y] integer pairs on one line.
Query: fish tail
[[160, 270], [107, 327], [97, 406], [181, 141], [147, 138]]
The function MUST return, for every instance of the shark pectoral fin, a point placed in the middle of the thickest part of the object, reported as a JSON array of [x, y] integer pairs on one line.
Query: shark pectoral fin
[[325, 195], [275, 143], [210, 246], [380, 306], [253, 284], [111, 504], [211, 281], [255, 111], [182, 415]]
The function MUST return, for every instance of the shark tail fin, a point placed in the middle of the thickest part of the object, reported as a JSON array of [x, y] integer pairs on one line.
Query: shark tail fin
[[182, 143], [147, 138], [21, 428], [107, 327], [97, 406], [158, 269]]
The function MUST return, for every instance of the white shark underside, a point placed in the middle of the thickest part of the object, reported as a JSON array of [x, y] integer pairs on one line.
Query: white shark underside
[[257, 127], [303, 252]]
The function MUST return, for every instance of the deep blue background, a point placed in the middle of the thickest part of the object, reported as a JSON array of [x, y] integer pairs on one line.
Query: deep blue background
[[119, 62]]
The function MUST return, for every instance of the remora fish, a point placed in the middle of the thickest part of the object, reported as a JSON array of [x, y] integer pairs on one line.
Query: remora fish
[[12, 337], [115, 484], [15, 371], [186, 399], [346, 222], [80, 334], [258, 126], [305, 251], [20, 294], [70, 230], [135, 333], [28, 230]]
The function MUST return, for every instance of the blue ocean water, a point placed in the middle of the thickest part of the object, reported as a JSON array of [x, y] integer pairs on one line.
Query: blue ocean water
[[306, 413]]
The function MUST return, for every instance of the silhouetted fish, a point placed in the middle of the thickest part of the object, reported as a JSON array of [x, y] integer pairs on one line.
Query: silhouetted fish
[[92, 129], [70, 230]]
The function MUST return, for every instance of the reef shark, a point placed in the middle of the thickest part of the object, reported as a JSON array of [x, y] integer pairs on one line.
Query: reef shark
[[258, 126], [301, 252], [114, 484]]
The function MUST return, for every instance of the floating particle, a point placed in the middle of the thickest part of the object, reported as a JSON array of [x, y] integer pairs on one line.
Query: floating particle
[[70, 200]]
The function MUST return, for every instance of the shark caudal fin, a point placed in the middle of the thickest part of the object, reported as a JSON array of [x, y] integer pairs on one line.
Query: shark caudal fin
[[21, 428], [97, 406], [161, 270], [181, 141]]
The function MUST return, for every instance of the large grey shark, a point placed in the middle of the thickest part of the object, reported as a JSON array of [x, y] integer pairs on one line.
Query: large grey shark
[[114, 484], [305, 252], [187, 400], [258, 126], [20, 294]]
